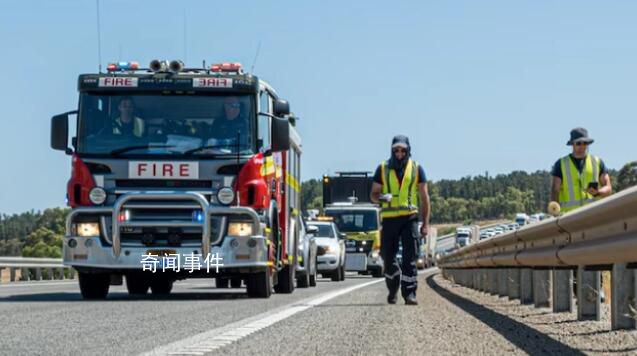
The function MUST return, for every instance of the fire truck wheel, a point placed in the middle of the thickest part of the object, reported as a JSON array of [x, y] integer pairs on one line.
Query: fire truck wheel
[[137, 284], [161, 286], [222, 282], [236, 282], [259, 285], [94, 286], [286, 280]]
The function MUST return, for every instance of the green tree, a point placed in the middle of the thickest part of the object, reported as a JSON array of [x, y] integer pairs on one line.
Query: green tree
[[627, 176], [43, 242]]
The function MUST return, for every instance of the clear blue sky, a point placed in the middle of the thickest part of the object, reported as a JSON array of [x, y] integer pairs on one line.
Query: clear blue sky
[[477, 85]]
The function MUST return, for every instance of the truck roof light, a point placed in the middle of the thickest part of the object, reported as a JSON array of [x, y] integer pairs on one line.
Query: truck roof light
[[226, 67], [176, 66], [158, 66], [122, 66]]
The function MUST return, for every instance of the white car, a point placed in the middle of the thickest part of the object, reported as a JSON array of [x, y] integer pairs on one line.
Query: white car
[[331, 246], [306, 268]]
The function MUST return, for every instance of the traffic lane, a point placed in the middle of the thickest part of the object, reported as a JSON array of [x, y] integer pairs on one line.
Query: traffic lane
[[362, 323], [55, 320]]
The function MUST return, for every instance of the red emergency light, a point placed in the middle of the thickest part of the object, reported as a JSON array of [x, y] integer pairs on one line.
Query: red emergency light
[[122, 66], [226, 67]]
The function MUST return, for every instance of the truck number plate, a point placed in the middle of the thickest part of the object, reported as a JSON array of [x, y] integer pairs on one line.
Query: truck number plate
[[163, 170], [355, 262]]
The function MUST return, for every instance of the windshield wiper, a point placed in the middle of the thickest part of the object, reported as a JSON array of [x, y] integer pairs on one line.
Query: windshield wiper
[[207, 147], [121, 150]]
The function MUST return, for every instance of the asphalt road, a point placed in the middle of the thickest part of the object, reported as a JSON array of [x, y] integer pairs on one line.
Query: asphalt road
[[335, 318], [50, 318]]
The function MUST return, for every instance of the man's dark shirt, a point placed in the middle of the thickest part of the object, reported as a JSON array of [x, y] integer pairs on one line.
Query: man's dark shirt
[[223, 128], [422, 178], [579, 163]]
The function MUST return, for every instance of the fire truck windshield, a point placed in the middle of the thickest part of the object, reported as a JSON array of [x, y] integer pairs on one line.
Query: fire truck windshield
[[151, 124]]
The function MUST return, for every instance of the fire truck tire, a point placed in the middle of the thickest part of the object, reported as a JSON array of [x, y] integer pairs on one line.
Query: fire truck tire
[[342, 273], [259, 285], [161, 286], [94, 286], [137, 284], [222, 282], [286, 280], [313, 279], [236, 282]]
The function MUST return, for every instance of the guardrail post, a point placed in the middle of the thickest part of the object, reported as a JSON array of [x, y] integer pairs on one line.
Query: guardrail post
[[541, 288], [493, 281], [12, 274], [514, 283], [526, 286], [49, 272], [38, 274], [562, 290], [622, 306], [503, 285], [588, 297], [61, 270], [24, 274]]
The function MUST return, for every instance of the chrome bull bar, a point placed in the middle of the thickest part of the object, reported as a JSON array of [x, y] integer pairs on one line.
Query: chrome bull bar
[[207, 210]]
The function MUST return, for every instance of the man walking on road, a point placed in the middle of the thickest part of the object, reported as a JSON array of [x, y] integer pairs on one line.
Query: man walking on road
[[399, 184], [579, 178]]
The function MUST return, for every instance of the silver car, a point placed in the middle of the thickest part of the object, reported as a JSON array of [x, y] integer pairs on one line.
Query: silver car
[[331, 243]]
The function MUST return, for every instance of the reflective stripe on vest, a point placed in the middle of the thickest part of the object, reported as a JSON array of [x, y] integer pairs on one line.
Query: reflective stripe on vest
[[404, 200], [573, 193]]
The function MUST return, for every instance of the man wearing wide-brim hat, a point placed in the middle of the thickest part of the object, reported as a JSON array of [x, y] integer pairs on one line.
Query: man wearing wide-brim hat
[[579, 178]]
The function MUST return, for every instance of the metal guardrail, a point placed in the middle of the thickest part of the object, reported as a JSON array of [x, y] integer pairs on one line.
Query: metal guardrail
[[535, 263], [54, 267]]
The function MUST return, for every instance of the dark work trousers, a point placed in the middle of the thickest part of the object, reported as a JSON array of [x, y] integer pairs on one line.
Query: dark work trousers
[[403, 229]]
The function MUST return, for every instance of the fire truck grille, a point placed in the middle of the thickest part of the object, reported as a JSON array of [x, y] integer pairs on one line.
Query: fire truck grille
[[160, 183]]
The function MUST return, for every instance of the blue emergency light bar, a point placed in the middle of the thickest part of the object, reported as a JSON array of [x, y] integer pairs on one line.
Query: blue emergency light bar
[[122, 66]]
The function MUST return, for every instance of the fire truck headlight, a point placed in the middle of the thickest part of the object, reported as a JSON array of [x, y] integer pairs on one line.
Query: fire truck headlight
[[88, 229], [225, 195], [97, 195], [240, 229]]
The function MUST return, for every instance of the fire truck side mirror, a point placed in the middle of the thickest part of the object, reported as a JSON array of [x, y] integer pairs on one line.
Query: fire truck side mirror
[[280, 135], [60, 132], [281, 108]]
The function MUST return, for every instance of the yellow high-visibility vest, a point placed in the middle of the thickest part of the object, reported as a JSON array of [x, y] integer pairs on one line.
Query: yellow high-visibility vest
[[573, 192], [138, 126], [404, 200]]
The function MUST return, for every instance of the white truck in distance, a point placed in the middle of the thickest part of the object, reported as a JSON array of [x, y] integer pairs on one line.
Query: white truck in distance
[[466, 235], [521, 219]]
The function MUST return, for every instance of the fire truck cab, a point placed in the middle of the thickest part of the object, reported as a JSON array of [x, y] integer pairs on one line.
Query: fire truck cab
[[177, 173]]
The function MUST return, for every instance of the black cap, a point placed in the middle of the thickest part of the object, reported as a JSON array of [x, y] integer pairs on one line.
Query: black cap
[[579, 134], [400, 141]]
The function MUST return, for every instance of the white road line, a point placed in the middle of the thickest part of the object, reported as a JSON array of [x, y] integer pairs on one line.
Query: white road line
[[37, 284], [217, 338]]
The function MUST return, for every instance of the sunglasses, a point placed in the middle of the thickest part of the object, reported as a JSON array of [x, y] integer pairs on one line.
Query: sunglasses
[[581, 143], [399, 150]]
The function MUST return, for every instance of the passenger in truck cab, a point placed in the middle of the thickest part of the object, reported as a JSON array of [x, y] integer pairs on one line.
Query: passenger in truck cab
[[233, 121], [127, 123]]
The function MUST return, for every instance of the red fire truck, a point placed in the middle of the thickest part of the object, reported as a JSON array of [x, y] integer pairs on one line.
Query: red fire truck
[[178, 173]]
